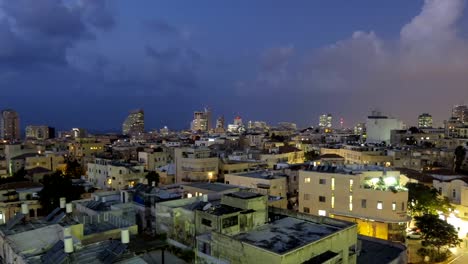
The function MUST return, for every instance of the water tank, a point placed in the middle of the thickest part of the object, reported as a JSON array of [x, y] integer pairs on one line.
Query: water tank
[[69, 208], [205, 198], [63, 201], [125, 236], [24, 209], [68, 244], [67, 232]]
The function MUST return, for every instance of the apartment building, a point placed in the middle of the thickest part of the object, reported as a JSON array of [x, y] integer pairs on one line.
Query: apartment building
[[195, 164], [114, 175], [373, 197], [360, 155]]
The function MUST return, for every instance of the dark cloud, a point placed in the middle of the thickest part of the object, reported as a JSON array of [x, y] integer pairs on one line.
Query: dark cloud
[[163, 28], [98, 13], [426, 66]]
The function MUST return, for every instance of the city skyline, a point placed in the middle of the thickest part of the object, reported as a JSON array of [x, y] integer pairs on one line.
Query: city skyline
[[121, 56]]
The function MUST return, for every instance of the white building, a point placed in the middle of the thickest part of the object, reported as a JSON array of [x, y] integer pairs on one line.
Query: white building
[[379, 127]]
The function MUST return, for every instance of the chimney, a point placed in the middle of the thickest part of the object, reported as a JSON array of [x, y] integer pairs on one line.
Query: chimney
[[63, 201], [125, 236], [69, 208], [68, 244]]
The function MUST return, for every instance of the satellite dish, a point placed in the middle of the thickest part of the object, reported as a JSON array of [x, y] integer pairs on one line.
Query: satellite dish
[[207, 206]]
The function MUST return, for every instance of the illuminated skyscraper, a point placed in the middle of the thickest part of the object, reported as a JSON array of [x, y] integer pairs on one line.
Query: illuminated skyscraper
[[135, 123], [460, 112], [325, 121], [201, 120], [424, 120], [9, 125]]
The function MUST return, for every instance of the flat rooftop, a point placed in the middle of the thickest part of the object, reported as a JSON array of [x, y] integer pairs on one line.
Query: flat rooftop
[[376, 250], [286, 234], [346, 169], [215, 187], [261, 174], [221, 209], [244, 195]]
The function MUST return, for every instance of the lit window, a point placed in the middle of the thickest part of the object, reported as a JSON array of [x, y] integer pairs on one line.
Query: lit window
[[333, 184], [322, 212], [189, 195], [351, 185], [379, 205], [393, 206], [333, 201], [307, 180], [350, 202]]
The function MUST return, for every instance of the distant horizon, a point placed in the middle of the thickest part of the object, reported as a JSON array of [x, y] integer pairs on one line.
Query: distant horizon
[[93, 61]]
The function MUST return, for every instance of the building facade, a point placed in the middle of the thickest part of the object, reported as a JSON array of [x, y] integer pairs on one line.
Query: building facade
[[424, 120], [374, 199], [134, 124], [40, 132], [10, 125], [195, 164]]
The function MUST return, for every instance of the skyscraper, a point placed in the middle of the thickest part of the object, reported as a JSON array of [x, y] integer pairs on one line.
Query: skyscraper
[[424, 120], [201, 120], [134, 124], [40, 132], [325, 121], [9, 125], [460, 112]]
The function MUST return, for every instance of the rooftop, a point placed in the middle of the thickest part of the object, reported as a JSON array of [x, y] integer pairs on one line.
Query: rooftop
[[221, 209], [286, 234], [19, 185], [244, 195], [215, 187], [261, 174], [376, 250]]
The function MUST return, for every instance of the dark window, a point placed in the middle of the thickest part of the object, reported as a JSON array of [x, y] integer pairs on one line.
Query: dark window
[[230, 221], [206, 222], [322, 199], [402, 206], [322, 181], [364, 203], [306, 210], [227, 182]]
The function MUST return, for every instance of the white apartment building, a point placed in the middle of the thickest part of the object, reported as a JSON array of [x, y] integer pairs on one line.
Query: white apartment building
[[111, 175], [370, 196]]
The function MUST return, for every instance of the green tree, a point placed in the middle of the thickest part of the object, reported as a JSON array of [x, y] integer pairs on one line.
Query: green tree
[[460, 154], [311, 155], [425, 200], [152, 176], [57, 185], [437, 233], [74, 169]]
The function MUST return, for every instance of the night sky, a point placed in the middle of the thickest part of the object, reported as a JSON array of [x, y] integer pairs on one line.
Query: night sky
[[88, 63]]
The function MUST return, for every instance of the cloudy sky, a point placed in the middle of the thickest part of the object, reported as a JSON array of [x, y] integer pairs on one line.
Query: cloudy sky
[[86, 63]]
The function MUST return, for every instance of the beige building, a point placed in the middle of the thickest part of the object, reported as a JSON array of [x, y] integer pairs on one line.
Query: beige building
[[9, 125], [12, 195], [372, 197], [357, 155], [153, 159], [238, 231], [114, 175], [282, 154], [84, 148], [195, 164], [50, 161]]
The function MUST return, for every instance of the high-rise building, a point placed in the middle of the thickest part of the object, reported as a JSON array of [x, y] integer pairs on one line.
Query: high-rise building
[[325, 121], [237, 126], [40, 132], [220, 122], [360, 129], [379, 127], [134, 124], [9, 125], [201, 121], [424, 120], [460, 112]]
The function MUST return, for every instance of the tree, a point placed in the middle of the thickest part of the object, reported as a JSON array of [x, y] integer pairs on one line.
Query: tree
[[57, 185], [437, 233], [460, 154], [311, 155], [425, 200], [152, 176], [414, 130], [74, 169]]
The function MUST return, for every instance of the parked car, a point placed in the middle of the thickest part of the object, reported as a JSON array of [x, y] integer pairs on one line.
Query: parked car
[[414, 235]]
